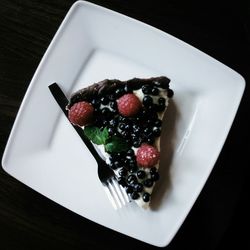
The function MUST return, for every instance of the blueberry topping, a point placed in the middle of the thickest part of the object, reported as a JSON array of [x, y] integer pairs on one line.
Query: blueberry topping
[[156, 131], [130, 152], [113, 105], [129, 189], [122, 126], [133, 169], [123, 172], [121, 181], [137, 143], [147, 100], [128, 89], [162, 100], [125, 134], [114, 165], [111, 131], [135, 195], [153, 170], [131, 179], [155, 91], [104, 100], [95, 103], [148, 183], [113, 123], [150, 140], [112, 97], [146, 197], [138, 187], [105, 111], [161, 107], [158, 123], [141, 174], [155, 176], [170, 93], [127, 127], [119, 92], [146, 89]]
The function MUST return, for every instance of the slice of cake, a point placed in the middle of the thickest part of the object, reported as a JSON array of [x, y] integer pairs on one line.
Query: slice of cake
[[123, 119]]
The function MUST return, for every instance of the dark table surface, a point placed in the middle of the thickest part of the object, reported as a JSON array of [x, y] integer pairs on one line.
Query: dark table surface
[[220, 215]]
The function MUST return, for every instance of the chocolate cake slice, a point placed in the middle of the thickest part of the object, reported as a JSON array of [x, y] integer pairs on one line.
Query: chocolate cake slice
[[123, 119]]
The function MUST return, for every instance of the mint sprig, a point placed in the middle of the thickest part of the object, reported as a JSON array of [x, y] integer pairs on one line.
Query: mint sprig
[[112, 144]]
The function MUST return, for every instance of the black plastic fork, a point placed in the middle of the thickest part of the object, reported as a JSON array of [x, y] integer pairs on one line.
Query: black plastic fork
[[116, 194]]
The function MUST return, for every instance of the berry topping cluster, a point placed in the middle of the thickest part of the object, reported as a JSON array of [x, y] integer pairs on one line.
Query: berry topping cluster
[[127, 124]]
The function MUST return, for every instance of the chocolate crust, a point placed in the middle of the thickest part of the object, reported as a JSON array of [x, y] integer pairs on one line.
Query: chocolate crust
[[107, 87]]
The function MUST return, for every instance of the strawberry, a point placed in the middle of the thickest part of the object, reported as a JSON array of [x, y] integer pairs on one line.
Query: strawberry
[[81, 113], [147, 156], [129, 105]]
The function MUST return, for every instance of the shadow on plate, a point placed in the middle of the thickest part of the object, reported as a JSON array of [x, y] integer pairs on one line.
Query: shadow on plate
[[167, 149]]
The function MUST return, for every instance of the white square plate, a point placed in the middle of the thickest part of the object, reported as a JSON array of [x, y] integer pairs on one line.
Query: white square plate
[[94, 43]]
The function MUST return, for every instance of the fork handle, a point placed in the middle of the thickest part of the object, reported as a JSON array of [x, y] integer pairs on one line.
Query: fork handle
[[62, 101]]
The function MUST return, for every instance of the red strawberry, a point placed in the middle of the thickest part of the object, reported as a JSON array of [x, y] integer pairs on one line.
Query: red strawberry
[[147, 156], [129, 105], [81, 113]]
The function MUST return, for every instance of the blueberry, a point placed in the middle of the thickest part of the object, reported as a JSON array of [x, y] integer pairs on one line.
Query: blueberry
[[121, 181], [156, 131], [147, 100], [123, 172], [105, 111], [158, 122], [133, 169], [96, 102], [170, 93], [127, 127], [148, 183], [141, 174], [128, 88], [130, 152], [111, 131], [113, 123], [161, 107], [113, 105], [122, 126], [155, 91], [138, 187], [155, 176], [112, 97], [135, 195], [137, 143], [119, 92], [153, 170], [104, 100], [146, 89], [162, 84], [124, 134], [105, 123], [150, 140], [131, 179], [129, 189], [162, 100], [114, 165], [146, 197]]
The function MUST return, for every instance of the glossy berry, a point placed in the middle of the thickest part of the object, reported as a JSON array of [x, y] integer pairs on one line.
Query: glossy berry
[[138, 187], [148, 183], [146, 89], [147, 156], [104, 100], [147, 100], [162, 100], [128, 88], [123, 172], [131, 179], [158, 122], [129, 105], [155, 91], [121, 181], [170, 93], [156, 131], [130, 152], [155, 176], [113, 105], [119, 92], [153, 170], [81, 113], [135, 195], [129, 189], [141, 174], [146, 197]]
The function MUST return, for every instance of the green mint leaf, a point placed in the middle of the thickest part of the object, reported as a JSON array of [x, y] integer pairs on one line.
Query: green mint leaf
[[96, 135], [116, 144]]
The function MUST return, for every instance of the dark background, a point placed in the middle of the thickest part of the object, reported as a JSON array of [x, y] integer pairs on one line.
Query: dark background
[[220, 217]]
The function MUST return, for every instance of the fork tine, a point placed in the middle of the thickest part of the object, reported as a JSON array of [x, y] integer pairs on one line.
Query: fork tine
[[110, 196], [125, 195], [114, 193], [119, 192]]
